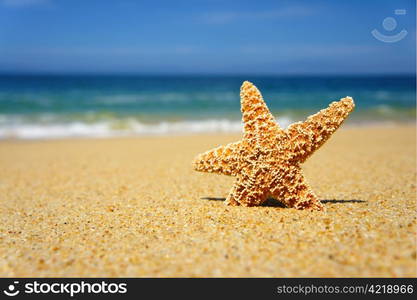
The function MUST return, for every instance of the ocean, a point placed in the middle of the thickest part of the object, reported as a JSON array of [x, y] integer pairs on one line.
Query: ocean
[[46, 106]]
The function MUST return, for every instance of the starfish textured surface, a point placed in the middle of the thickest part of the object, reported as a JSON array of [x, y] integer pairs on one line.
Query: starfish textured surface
[[266, 162]]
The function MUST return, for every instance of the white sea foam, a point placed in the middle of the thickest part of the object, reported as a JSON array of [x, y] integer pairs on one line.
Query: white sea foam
[[108, 129], [130, 127]]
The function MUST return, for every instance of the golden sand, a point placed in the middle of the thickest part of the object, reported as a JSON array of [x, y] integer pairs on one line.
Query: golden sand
[[133, 207]]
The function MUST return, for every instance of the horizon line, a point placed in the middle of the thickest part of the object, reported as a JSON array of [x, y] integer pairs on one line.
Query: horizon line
[[202, 74]]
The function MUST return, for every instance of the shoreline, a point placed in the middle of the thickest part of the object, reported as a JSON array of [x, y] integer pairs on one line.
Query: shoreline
[[236, 131]]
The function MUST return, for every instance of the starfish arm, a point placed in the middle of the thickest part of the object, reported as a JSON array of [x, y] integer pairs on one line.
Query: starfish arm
[[257, 119], [221, 160], [232, 198], [293, 190], [306, 137], [248, 191]]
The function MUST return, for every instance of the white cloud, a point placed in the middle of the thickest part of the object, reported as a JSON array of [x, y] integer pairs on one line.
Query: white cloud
[[309, 50], [138, 51], [229, 16]]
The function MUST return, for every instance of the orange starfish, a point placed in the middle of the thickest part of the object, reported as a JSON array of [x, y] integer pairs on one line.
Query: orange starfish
[[266, 162]]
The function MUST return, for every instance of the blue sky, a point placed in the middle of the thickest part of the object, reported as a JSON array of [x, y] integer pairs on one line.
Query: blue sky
[[204, 36]]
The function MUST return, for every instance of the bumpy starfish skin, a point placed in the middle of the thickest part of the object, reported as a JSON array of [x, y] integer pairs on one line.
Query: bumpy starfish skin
[[266, 162]]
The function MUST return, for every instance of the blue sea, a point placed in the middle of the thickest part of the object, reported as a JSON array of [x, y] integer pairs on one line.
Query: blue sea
[[46, 106]]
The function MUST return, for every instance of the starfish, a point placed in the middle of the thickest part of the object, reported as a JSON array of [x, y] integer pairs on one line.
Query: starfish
[[266, 162]]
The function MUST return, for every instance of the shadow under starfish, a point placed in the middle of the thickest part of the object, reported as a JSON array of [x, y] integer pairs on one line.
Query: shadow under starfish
[[271, 202]]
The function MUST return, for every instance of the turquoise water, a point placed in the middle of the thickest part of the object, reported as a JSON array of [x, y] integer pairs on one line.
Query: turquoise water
[[63, 106]]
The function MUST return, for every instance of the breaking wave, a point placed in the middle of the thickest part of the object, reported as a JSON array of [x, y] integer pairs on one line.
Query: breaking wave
[[119, 128]]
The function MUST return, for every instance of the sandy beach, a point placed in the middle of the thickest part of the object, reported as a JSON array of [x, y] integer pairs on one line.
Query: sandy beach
[[134, 207]]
